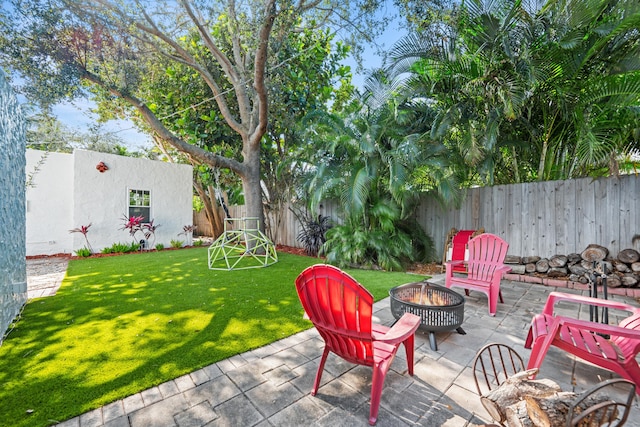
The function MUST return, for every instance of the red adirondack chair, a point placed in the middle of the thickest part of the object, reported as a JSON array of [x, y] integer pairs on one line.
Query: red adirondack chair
[[484, 268], [586, 339], [459, 249], [340, 309]]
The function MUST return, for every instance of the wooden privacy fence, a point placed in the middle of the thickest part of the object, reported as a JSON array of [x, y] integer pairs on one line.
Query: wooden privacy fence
[[540, 218]]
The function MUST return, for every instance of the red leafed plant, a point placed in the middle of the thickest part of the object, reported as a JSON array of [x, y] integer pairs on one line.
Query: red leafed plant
[[134, 225], [83, 229]]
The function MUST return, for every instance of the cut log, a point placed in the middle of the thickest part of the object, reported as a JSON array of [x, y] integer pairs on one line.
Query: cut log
[[558, 261], [557, 272], [594, 253], [613, 281], [517, 269], [530, 268], [542, 266], [629, 256], [587, 265], [621, 266], [530, 259], [628, 280], [512, 259], [574, 258], [513, 390], [635, 267], [578, 269], [517, 415], [551, 410]]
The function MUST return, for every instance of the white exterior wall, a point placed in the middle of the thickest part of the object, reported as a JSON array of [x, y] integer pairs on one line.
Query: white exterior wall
[[49, 203], [72, 193]]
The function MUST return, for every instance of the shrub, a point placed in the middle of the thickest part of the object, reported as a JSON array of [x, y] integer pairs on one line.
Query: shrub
[[121, 248], [176, 243], [313, 233], [159, 247], [197, 243], [83, 252]]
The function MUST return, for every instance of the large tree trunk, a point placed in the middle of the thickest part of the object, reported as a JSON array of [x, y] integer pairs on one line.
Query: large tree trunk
[[252, 189]]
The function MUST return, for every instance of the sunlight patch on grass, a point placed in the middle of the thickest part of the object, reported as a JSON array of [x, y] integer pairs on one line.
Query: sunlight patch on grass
[[120, 325]]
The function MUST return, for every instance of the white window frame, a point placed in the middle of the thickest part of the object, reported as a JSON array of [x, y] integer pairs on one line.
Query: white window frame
[[140, 206]]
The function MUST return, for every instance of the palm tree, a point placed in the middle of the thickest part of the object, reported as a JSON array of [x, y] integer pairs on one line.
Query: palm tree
[[530, 94], [366, 161]]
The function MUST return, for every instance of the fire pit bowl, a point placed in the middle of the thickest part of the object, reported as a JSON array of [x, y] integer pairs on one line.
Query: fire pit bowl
[[440, 309]]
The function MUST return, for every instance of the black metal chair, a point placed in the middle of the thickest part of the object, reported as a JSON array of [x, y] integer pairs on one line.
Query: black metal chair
[[612, 412]]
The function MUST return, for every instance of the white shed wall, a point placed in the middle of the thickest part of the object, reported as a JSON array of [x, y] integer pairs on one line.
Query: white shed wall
[[102, 198], [70, 192], [49, 203]]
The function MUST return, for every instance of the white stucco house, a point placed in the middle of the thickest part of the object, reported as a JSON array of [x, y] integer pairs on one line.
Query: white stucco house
[[66, 191]]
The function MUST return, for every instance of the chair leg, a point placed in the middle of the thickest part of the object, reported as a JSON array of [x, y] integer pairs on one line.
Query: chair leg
[[409, 345], [377, 383], [323, 359]]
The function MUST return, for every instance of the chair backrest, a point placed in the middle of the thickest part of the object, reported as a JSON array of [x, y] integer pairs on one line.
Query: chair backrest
[[628, 346], [486, 253], [587, 409], [493, 364], [340, 309]]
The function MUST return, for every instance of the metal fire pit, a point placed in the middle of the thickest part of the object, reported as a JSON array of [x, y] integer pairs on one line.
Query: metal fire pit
[[439, 308]]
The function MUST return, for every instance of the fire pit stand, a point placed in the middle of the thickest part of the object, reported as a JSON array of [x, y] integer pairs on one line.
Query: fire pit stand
[[439, 308]]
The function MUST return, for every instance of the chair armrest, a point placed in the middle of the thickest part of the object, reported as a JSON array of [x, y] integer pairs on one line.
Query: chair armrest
[[401, 330], [554, 297], [456, 262], [599, 328], [504, 269]]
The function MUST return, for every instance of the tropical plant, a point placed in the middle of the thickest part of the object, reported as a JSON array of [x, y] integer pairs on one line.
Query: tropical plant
[[176, 243], [366, 162], [134, 225], [159, 246], [313, 233], [118, 248], [84, 230], [525, 93], [83, 252]]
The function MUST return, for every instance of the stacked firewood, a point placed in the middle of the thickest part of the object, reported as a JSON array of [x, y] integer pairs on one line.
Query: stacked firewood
[[590, 266]]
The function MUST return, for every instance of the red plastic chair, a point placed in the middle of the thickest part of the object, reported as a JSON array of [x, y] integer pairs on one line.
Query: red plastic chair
[[459, 249], [340, 309], [588, 340], [484, 268]]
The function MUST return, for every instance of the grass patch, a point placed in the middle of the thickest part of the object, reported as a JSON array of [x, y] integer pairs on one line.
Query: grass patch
[[120, 325]]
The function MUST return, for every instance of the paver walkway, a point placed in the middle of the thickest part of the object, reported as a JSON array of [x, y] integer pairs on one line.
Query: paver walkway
[[270, 386], [44, 275]]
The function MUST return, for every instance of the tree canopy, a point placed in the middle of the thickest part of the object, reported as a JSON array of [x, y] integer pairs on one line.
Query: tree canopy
[[64, 48]]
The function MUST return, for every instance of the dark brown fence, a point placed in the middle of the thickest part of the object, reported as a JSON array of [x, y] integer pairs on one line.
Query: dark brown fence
[[541, 218]]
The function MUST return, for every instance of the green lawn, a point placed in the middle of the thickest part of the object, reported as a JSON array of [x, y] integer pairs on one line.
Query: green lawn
[[119, 325]]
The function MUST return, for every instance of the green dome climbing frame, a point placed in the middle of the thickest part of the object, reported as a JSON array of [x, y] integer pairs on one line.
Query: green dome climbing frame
[[242, 245]]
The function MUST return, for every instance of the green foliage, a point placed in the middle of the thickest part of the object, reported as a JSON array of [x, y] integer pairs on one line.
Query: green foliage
[[525, 93], [313, 234], [159, 246], [198, 243], [116, 320], [366, 162], [353, 245], [176, 243], [83, 252], [118, 248]]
